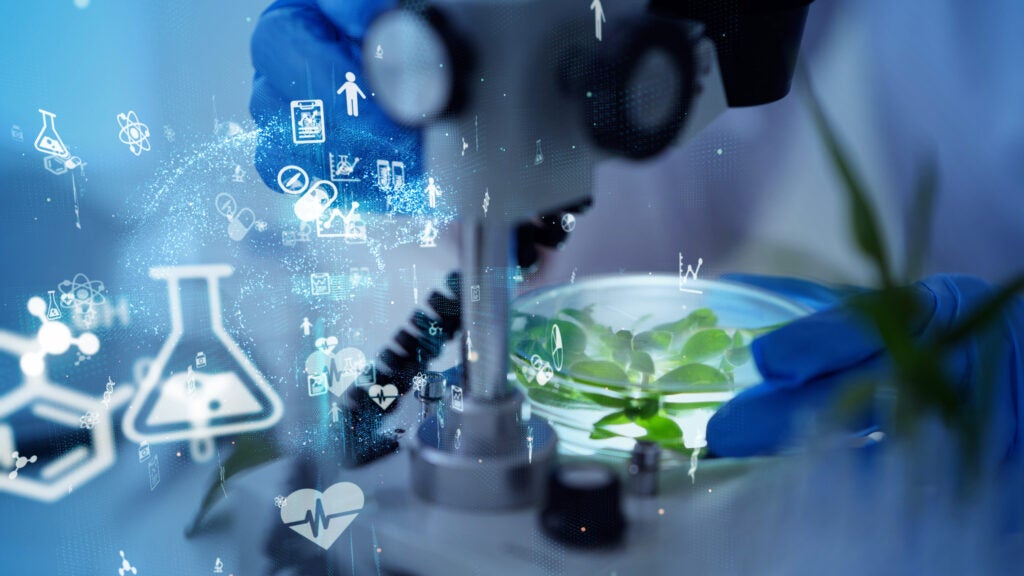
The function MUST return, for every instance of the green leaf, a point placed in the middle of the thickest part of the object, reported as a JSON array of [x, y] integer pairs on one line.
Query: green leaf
[[738, 353], [660, 429], [919, 233], [584, 316], [641, 362], [866, 229], [613, 419], [985, 313], [705, 344], [685, 407], [644, 407], [737, 357], [602, 434], [678, 447], [606, 401], [599, 372], [699, 318], [574, 339], [250, 451], [658, 340], [697, 378], [556, 397], [622, 346]]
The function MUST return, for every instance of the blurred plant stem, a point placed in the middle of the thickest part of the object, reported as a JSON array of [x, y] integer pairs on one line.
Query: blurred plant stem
[[922, 385]]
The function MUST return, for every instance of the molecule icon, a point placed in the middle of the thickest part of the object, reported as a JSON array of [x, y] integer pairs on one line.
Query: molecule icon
[[19, 463], [53, 338], [126, 566], [36, 396], [280, 501]]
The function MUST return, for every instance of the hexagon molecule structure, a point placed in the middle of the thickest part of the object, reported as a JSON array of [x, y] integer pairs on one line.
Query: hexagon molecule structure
[[51, 480]]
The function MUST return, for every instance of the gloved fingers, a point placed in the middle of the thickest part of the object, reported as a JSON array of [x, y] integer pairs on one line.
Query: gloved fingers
[[766, 419], [301, 54], [822, 344], [354, 17], [990, 365], [811, 294]]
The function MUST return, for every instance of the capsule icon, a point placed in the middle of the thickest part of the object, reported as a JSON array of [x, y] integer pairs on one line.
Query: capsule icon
[[240, 224], [315, 201]]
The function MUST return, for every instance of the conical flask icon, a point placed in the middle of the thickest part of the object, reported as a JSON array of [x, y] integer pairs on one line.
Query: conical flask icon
[[178, 401], [48, 141]]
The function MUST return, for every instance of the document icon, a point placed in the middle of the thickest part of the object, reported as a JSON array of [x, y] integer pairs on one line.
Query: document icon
[[307, 121]]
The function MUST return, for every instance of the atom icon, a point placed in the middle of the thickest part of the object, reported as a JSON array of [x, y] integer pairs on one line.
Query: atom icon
[[88, 420], [82, 294], [133, 133]]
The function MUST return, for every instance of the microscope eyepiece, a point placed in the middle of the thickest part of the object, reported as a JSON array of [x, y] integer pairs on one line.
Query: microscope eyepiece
[[756, 40], [641, 87]]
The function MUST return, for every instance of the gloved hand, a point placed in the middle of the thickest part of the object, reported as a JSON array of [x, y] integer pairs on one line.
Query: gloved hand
[[806, 365], [303, 50]]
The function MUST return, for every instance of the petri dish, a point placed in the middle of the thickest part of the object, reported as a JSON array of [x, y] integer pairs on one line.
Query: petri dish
[[615, 359]]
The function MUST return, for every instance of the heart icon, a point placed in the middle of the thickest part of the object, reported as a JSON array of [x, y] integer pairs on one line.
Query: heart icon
[[383, 395], [322, 518], [326, 345]]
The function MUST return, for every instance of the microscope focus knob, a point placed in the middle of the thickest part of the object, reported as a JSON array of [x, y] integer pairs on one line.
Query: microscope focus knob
[[414, 63], [583, 506], [640, 87]]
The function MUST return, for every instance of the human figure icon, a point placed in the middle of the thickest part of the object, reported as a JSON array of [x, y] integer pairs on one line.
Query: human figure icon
[[306, 325], [335, 412], [432, 192], [352, 94]]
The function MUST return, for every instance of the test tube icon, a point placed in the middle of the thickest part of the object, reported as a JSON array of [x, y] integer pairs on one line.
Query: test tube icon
[[384, 174]]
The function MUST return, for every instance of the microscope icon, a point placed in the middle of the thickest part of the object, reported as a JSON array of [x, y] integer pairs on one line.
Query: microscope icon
[[428, 237]]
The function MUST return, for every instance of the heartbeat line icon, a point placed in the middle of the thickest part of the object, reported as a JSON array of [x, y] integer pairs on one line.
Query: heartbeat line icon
[[317, 519], [322, 517]]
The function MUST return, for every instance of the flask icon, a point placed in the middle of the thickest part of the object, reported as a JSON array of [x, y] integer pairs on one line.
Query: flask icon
[[227, 396], [52, 310], [48, 141]]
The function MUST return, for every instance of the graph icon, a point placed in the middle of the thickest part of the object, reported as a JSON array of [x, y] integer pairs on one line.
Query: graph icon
[[322, 517]]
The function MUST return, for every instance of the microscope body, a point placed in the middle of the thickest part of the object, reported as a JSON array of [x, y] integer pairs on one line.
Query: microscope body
[[518, 100]]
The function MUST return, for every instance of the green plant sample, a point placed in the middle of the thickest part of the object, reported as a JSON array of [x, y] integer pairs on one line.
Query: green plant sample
[[627, 375]]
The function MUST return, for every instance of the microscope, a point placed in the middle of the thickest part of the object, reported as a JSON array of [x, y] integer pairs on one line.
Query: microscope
[[517, 101]]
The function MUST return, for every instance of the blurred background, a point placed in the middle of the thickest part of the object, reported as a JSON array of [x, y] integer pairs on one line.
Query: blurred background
[[903, 82]]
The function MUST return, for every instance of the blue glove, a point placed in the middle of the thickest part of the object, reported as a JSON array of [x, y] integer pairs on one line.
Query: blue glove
[[302, 50], [806, 364]]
